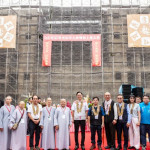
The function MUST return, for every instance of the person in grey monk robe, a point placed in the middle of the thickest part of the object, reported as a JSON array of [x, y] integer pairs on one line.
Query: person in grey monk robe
[[18, 137], [5, 132], [62, 123], [47, 125]]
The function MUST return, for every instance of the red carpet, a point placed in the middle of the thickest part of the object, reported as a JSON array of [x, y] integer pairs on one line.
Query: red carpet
[[87, 142]]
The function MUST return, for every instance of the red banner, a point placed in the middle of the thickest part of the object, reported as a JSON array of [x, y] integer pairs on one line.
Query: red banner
[[96, 53], [46, 53], [94, 38]]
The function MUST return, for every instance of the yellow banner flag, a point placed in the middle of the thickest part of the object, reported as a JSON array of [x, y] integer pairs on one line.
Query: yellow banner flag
[[138, 30], [8, 31]]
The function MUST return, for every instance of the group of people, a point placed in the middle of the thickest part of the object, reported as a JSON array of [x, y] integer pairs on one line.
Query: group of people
[[132, 118]]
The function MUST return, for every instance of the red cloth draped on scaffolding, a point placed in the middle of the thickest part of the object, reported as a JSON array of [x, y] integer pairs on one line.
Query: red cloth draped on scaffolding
[[94, 38]]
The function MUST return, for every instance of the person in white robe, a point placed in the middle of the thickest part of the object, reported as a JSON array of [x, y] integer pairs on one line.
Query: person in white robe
[[34, 114], [18, 137], [5, 132], [47, 125], [62, 123]]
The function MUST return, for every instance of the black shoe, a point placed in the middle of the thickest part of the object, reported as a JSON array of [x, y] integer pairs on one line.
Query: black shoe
[[112, 148], [76, 147], [92, 147], [99, 147], [125, 148], [118, 148], [107, 147], [131, 147], [82, 147], [143, 147]]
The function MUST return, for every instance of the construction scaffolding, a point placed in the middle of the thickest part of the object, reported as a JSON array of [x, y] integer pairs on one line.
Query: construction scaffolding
[[21, 70]]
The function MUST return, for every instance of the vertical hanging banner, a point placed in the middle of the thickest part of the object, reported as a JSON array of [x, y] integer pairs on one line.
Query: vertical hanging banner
[[47, 53], [8, 31], [94, 38], [96, 53]]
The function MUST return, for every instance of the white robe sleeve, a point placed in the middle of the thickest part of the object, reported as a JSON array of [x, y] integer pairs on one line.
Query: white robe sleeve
[[42, 118], [1, 117], [12, 119], [56, 117]]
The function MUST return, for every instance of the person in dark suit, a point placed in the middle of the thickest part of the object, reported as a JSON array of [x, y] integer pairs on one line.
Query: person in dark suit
[[110, 120], [122, 122]]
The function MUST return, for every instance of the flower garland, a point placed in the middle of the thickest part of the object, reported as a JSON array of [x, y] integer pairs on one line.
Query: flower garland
[[79, 109], [120, 112], [96, 112], [37, 109]]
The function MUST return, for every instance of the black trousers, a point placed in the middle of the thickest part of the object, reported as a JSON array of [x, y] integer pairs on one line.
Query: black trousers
[[80, 123], [28, 132], [144, 128], [94, 129], [34, 127], [110, 134], [122, 127]]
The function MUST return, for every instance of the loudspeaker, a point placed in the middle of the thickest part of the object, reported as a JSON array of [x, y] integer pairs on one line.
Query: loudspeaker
[[126, 91], [126, 88], [138, 91]]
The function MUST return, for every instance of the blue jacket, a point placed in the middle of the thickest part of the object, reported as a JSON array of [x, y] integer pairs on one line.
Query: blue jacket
[[145, 113]]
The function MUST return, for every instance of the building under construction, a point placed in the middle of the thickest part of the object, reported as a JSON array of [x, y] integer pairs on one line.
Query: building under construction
[[21, 70]]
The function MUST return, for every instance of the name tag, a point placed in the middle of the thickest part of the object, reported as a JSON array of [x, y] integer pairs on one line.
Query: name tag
[[120, 117], [106, 112], [49, 118], [22, 121], [63, 117], [96, 117]]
